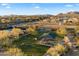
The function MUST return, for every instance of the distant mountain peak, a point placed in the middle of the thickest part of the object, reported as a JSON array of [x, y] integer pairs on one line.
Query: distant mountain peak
[[73, 12]]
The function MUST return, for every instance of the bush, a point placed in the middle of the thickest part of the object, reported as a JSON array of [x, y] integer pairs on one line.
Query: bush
[[51, 51], [59, 48], [56, 50], [61, 31], [16, 32], [4, 37], [14, 52]]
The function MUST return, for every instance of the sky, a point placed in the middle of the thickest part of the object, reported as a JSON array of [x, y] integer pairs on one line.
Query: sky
[[37, 8]]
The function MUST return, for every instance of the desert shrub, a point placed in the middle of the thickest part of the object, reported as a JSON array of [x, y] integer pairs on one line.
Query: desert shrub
[[16, 32], [77, 41], [61, 31], [4, 37], [56, 50], [51, 51], [67, 42], [14, 52], [59, 48]]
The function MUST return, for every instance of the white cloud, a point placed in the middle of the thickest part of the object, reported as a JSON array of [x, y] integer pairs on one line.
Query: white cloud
[[69, 5], [8, 7], [71, 10], [37, 7], [4, 4]]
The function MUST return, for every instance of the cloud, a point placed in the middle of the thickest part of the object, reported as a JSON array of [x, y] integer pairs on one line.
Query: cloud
[[69, 5], [36, 7], [8, 7], [71, 10], [4, 4]]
